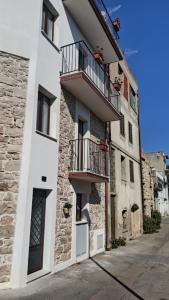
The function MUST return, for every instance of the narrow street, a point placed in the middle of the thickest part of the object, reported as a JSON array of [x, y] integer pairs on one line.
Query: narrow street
[[138, 271]]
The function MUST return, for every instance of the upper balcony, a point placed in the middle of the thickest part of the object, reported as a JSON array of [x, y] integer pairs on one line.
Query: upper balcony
[[95, 24], [87, 80]]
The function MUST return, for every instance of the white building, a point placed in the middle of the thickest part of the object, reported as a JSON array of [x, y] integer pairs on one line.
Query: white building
[[38, 40]]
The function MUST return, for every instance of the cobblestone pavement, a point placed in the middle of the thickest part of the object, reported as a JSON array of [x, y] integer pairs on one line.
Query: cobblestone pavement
[[138, 271]]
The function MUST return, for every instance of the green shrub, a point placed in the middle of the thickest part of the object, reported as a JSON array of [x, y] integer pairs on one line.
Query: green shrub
[[156, 216], [121, 241], [149, 225], [114, 244]]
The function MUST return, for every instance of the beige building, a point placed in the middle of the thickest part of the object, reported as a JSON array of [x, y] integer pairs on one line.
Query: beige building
[[125, 179], [158, 161], [148, 185]]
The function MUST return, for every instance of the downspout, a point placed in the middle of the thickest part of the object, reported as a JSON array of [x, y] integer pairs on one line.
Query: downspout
[[141, 174], [108, 141]]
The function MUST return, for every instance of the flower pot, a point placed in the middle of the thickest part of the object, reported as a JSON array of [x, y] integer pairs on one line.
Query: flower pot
[[117, 86], [98, 57], [116, 24], [102, 147]]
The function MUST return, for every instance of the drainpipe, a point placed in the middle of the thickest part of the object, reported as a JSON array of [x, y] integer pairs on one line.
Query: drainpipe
[[107, 194], [141, 174]]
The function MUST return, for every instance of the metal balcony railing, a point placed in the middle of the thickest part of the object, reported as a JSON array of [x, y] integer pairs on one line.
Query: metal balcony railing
[[86, 156], [104, 12], [77, 57]]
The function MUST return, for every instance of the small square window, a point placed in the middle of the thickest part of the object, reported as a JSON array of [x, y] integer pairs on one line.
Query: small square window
[[131, 166], [43, 114]]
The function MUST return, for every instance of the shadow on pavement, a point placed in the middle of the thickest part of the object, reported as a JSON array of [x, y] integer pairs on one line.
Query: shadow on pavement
[[116, 279]]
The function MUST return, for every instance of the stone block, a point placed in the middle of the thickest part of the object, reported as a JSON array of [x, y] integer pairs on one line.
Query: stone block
[[6, 231], [7, 80], [19, 93], [6, 220]]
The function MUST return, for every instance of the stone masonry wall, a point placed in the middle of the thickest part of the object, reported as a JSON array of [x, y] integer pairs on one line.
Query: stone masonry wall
[[13, 84], [63, 242], [97, 196], [65, 193], [148, 186]]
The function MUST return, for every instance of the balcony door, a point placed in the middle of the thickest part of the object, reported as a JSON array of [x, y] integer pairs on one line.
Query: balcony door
[[80, 145], [35, 260]]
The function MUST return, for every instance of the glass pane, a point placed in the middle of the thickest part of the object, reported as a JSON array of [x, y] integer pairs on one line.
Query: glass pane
[[43, 20], [50, 29], [78, 207], [45, 116]]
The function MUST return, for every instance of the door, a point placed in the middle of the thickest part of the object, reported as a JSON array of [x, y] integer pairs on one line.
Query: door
[[35, 260], [81, 228], [80, 145]]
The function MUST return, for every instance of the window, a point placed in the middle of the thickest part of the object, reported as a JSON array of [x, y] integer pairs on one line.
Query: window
[[79, 207], [131, 166], [43, 114], [120, 71], [122, 126], [123, 167], [48, 19], [133, 99], [130, 129]]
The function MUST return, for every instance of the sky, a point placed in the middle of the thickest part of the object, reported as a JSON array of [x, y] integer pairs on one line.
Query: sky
[[144, 36]]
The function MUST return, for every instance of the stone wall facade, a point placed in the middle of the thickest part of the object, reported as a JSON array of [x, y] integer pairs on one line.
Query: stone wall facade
[[66, 189], [148, 186], [97, 196], [65, 192], [13, 85]]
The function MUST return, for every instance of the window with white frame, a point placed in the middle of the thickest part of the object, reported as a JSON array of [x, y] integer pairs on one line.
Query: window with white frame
[[43, 113], [49, 17]]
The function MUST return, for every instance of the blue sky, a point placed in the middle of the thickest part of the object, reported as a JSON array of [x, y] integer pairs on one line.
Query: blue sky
[[145, 33]]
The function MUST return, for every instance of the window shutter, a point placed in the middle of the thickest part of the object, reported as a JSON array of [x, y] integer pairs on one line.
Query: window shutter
[[126, 88]]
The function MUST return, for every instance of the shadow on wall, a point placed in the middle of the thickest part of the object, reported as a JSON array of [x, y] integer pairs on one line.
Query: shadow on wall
[[95, 197]]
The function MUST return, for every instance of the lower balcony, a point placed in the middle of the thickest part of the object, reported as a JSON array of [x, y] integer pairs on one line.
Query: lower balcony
[[88, 161], [84, 76]]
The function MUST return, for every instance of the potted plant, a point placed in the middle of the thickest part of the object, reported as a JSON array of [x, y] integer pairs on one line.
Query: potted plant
[[117, 83], [98, 55], [116, 24], [66, 209], [102, 146]]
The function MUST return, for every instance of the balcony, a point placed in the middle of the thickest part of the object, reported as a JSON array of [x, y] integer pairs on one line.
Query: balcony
[[92, 14], [87, 80], [88, 162]]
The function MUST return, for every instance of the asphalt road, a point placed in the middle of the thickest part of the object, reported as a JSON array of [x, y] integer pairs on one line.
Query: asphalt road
[[138, 271]]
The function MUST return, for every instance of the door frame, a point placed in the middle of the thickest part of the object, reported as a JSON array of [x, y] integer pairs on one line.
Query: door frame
[[42, 238], [74, 224]]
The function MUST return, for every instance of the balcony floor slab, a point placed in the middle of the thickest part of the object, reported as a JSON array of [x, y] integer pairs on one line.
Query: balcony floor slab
[[88, 176], [79, 85]]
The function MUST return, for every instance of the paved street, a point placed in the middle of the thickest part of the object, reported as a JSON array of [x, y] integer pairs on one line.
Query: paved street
[[138, 271]]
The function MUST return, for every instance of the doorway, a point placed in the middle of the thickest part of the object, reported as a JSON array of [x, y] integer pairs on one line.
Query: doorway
[[82, 229], [36, 244]]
